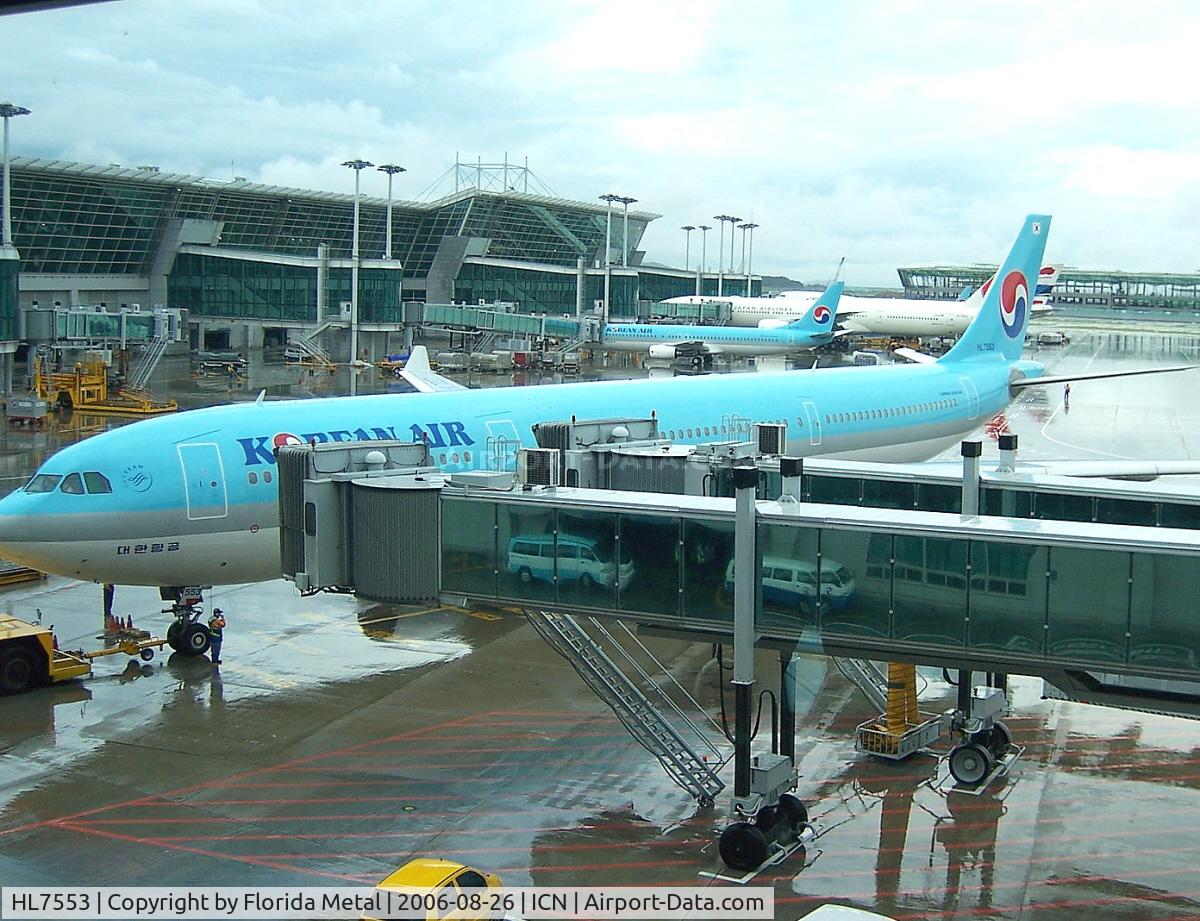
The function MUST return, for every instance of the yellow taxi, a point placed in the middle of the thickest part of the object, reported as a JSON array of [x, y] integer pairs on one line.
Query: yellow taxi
[[437, 889]]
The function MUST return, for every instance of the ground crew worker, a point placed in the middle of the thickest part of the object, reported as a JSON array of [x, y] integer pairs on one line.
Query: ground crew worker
[[216, 630]]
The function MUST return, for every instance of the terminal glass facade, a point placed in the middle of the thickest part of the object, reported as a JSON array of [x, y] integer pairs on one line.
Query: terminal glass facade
[[211, 286], [10, 272]]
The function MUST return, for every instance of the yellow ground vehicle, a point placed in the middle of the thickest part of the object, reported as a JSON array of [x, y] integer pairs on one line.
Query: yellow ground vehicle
[[29, 656], [442, 883]]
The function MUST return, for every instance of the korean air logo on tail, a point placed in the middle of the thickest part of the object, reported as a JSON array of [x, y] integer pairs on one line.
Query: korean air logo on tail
[[1014, 301], [822, 314]]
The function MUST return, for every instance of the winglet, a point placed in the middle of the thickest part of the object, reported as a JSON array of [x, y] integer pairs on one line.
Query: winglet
[[422, 377]]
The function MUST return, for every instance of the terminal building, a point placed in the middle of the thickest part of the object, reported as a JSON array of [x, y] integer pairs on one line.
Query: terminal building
[[251, 263], [1077, 289]]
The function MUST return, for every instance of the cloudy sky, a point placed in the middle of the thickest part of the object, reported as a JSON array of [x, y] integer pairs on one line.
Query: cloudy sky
[[896, 132]]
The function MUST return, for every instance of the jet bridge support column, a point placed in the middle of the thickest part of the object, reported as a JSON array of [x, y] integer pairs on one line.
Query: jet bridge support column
[[971, 451], [787, 706], [791, 471], [745, 483], [768, 817]]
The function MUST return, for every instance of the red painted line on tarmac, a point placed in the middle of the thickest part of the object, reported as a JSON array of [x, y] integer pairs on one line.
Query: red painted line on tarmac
[[268, 785], [287, 836], [155, 842], [460, 851], [241, 774], [202, 803], [358, 817]]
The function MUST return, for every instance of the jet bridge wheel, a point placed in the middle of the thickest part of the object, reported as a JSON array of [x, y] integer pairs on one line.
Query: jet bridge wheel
[[793, 807], [743, 846], [971, 763]]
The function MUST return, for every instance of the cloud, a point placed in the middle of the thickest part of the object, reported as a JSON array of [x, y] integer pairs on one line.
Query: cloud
[[891, 133]]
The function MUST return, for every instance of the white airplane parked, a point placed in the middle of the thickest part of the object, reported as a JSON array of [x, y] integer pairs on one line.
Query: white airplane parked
[[872, 316]]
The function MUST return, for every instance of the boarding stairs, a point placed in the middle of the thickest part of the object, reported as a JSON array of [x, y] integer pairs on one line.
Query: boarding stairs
[[310, 350], [143, 370], [572, 345], [646, 720], [868, 678], [484, 342]]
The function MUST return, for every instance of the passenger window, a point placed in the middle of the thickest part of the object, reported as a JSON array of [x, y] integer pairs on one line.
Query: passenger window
[[43, 482], [252, 477], [73, 484], [567, 551], [96, 483], [588, 555]]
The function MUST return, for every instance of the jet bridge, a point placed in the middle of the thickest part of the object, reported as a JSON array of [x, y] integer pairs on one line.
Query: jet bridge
[[1062, 599]]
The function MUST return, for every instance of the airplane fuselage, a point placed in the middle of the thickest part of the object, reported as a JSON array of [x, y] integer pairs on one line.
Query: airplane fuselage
[[194, 497]]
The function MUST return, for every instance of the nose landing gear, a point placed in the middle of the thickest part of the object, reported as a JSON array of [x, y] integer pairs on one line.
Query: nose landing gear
[[186, 635]]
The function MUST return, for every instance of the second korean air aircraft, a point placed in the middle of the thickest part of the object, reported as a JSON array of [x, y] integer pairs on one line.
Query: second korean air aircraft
[[671, 340], [192, 498]]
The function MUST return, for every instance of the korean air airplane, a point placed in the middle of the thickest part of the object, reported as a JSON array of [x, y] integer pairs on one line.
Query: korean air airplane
[[668, 340], [875, 316], [191, 498]]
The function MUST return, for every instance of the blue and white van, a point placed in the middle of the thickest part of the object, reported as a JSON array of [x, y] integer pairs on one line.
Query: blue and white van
[[793, 583], [578, 559]]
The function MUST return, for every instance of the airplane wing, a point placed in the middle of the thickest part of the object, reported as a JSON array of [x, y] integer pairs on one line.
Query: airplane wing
[[913, 355], [418, 373], [1068, 378]]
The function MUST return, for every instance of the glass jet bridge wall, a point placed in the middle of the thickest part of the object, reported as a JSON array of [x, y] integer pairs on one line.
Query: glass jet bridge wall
[[1045, 499], [1030, 596]]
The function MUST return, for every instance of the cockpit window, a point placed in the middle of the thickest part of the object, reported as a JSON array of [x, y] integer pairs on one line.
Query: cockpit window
[[73, 484], [96, 482], [43, 482]]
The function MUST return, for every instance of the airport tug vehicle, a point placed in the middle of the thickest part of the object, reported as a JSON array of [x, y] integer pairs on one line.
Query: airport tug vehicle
[[30, 657]]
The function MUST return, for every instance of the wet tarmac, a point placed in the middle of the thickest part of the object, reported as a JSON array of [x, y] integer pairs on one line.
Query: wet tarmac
[[339, 738]]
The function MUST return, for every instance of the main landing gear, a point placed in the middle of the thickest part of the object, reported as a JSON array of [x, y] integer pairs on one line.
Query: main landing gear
[[187, 635]]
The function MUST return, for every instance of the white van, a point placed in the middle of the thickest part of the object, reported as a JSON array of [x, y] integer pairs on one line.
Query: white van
[[579, 559], [793, 584]]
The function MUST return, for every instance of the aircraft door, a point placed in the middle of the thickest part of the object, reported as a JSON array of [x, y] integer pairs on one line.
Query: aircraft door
[[503, 442], [814, 422], [203, 481], [972, 394]]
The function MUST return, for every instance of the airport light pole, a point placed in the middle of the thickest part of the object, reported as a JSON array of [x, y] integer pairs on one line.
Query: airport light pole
[[704, 229], [687, 244], [608, 198], [358, 166], [749, 225], [721, 250], [391, 169], [8, 111], [626, 201]]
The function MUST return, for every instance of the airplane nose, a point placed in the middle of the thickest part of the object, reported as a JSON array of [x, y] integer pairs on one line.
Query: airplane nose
[[14, 527]]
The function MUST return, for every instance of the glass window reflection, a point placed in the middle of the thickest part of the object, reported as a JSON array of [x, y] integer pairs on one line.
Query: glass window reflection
[[468, 547], [651, 544], [855, 583], [1007, 601], [1088, 612], [525, 539]]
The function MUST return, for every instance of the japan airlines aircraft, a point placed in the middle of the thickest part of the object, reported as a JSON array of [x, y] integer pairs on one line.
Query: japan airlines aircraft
[[192, 498], [875, 316], [670, 340]]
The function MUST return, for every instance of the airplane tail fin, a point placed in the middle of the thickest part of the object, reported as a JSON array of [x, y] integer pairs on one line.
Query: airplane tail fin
[[819, 318], [999, 327], [965, 293]]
